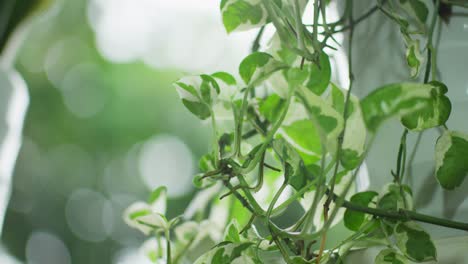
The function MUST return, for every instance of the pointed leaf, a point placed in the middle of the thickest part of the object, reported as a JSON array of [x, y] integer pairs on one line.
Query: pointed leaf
[[258, 66]]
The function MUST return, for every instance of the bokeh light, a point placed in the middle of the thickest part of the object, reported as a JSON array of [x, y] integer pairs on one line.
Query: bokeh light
[[46, 248], [89, 215], [163, 159], [152, 31]]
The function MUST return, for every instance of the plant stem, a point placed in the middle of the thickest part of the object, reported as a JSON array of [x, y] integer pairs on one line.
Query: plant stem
[[403, 214], [299, 29], [430, 66], [315, 42], [215, 138], [168, 246], [256, 44], [269, 137]]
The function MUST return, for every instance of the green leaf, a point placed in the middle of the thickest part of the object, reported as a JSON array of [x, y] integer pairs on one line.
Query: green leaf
[[304, 137], [435, 112], [390, 256], [355, 136], [242, 14], [327, 121], [420, 9], [319, 74], [451, 157], [353, 220], [258, 66], [414, 58], [271, 107], [225, 77], [201, 183], [392, 197], [231, 232], [295, 171], [414, 242], [296, 76], [198, 94], [227, 85], [398, 99], [206, 163]]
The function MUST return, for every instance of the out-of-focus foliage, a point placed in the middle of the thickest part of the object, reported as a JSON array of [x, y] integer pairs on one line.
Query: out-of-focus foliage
[[88, 125]]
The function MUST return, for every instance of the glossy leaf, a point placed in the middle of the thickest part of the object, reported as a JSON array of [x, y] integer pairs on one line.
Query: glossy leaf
[[451, 157], [435, 111], [414, 242], [353, 220], [398, 99], [304, 137]]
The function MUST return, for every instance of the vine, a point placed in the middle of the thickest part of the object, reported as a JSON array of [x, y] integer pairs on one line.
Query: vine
[[296, 138]]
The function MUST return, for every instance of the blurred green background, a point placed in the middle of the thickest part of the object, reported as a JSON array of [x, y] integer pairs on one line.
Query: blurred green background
[[93, 136]]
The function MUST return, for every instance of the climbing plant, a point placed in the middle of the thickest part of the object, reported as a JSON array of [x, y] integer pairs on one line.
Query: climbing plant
[[285, 135]]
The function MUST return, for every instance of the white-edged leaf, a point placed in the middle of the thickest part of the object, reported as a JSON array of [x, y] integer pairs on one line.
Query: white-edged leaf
[[435, 111], [415, 243], [155, 250], [141, 216], [451, 157], [328, 122], [414, 58], [355, 135], [186, 231], [397, 99], [200, 200], [158, 200]]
